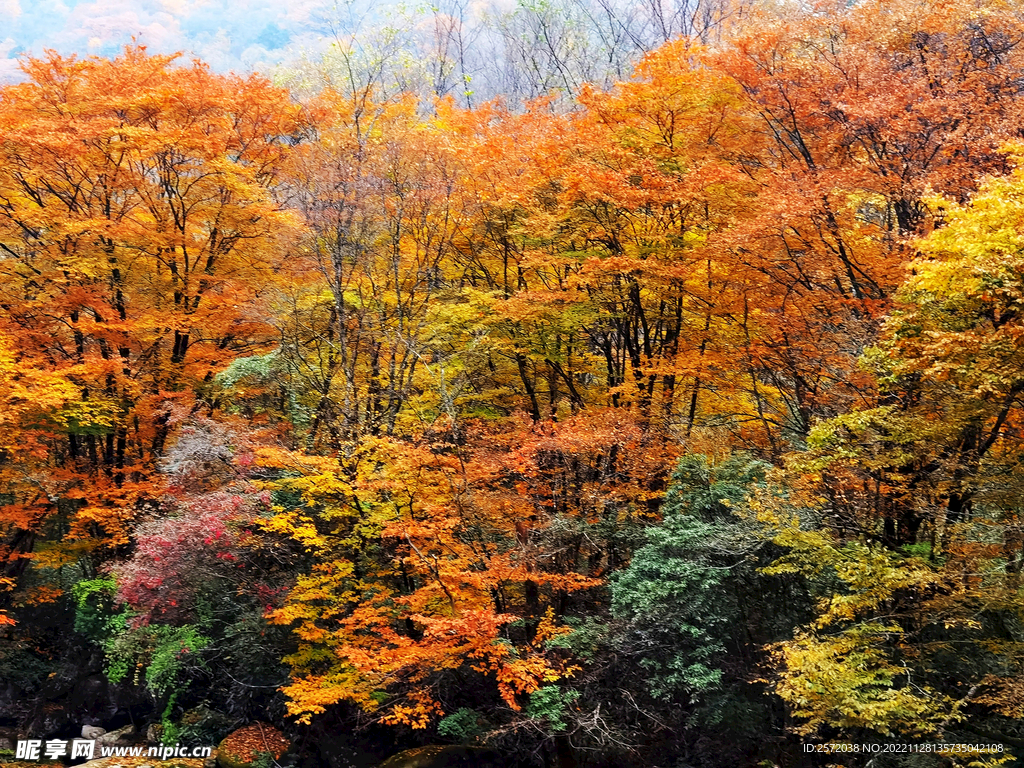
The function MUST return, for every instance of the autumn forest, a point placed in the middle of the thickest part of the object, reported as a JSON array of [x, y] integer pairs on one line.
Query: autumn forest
[[674, 419]]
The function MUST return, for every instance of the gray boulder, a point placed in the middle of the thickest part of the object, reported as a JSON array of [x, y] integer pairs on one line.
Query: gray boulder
[[119, 738]]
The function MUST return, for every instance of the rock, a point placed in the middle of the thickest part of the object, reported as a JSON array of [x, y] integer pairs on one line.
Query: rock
[[441, 756], [154, 733], [10, 695], [58, 684], [92, 699], [211, 761], [92, 731], [8, 738], [119, 738], [242, 748], [49, 720]]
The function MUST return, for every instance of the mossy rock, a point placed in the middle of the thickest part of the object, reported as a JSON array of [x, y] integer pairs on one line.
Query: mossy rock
[[440, 756], [245, 747]]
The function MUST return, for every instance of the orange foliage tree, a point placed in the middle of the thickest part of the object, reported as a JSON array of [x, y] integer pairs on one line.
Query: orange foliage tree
[[863, 110], [139, 229]]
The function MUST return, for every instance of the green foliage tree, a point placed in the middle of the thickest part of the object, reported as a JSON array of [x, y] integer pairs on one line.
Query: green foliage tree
[[677, 594], [694, 609]]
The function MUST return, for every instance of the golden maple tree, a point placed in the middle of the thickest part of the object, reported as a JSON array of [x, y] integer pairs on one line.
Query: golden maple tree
[[140, 231]]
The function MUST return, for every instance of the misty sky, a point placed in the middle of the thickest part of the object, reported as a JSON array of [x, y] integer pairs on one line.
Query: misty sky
[[237, 36]]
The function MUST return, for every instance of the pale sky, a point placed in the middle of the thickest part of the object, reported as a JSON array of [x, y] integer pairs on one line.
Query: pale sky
[[235, 36], [503, 45]]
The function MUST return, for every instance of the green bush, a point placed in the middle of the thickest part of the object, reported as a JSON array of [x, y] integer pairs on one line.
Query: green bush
[[550, 704], [463, 725]]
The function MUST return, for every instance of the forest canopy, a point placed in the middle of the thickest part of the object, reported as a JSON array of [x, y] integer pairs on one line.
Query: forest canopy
[[669, 422]]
